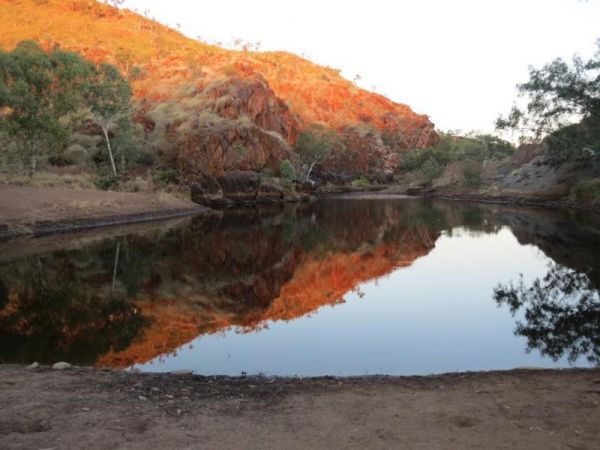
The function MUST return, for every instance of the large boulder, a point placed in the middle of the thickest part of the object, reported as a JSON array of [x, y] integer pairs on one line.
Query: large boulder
[[240, 186], [217, 146], [251, 97], [270, 191], [243, 187], [208, 192]]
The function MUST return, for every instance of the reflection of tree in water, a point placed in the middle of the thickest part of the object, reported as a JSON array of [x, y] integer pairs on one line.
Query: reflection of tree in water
[[562, 313], [3, 295], [56, 318]]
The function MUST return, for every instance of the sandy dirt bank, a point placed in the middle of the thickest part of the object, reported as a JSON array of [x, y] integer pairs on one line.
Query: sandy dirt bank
[[38, 210], [102, 409]]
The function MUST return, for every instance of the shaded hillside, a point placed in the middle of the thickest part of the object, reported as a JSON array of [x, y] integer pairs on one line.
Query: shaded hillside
[[228, 109]]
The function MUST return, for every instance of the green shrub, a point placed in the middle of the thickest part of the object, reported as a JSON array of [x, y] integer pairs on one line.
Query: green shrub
[[471, 172], [416, 158], [145, 158], [266, 172], [288, 172], [587, 191], [60, 160], [107, 182], [431, 169], [77, 154], [454, 148], [361, 182], [137, 73], [165, 175]]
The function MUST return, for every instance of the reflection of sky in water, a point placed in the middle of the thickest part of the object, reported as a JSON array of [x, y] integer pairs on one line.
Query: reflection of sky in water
[[436, 316]]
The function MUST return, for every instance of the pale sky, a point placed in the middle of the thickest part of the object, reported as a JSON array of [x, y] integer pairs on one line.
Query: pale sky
[[457, 61]]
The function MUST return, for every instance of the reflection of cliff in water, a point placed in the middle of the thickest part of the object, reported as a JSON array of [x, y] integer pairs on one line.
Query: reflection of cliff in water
[[250, 267], [162, 289], [129, 299]]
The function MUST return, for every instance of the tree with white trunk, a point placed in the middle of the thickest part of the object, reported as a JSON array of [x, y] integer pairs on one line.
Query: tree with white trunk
[[312, 148], [109, 104]]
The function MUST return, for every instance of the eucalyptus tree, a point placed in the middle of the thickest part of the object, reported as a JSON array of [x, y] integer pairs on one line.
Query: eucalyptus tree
[[109, 97], [40, 96], [556, 95], [312, 148]]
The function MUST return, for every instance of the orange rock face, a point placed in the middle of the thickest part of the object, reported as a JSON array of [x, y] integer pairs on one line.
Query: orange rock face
[[254, 99], [279, 93], [250, 129]]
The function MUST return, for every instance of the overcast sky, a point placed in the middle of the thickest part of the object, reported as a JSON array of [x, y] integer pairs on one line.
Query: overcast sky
[[456, 60]]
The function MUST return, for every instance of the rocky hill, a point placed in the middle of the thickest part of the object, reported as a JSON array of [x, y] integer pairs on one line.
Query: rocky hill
[[216, 110]]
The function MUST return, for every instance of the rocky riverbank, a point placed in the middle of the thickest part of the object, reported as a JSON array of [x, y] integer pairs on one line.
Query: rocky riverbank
[[394, 192], [245, 187], [531, 177], [545, 409]]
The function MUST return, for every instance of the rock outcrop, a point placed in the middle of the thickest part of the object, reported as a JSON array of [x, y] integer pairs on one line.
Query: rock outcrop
[[215, 147], [270, 191], [238, 187], [251, 97]]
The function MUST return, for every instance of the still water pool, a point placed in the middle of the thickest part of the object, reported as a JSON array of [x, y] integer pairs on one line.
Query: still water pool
[[337, 287]]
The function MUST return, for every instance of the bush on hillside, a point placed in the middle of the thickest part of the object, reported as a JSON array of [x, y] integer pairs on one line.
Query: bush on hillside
[[107, 182], [587, 191], [452, 148], [312, 148], [361, 182], [471, 171], [431, 169], [288, 172]]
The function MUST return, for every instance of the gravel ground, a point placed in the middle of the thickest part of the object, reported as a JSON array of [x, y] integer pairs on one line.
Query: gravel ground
[[26, 210], [79, 408]]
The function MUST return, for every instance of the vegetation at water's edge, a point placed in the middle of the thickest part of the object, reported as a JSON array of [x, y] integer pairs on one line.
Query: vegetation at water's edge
[[468, 153]]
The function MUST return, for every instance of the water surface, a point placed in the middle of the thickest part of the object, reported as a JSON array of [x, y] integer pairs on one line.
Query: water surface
[[338, 287]]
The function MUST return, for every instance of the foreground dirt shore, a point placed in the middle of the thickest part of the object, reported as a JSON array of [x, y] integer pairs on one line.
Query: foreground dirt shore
[[40, 210], [79, 408]]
